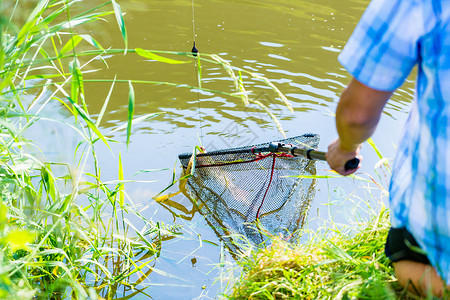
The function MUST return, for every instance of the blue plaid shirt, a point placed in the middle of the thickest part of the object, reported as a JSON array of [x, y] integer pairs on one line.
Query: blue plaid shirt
[[390, 39]]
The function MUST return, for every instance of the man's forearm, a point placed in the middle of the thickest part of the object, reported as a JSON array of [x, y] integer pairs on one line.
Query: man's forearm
[[353, 126], [358, 113]]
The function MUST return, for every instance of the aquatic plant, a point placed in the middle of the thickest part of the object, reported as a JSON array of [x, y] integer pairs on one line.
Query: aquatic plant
[[65, 232]]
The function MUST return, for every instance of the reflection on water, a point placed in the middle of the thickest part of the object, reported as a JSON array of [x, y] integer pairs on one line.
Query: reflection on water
[[295, 43]]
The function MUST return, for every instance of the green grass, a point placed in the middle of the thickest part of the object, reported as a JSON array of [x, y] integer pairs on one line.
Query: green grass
[[336, 266], [336, 261], [64, 231], [52, 246]]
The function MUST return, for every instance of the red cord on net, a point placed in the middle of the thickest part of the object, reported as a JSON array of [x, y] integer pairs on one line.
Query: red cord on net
[[274, 155], [258, 156]]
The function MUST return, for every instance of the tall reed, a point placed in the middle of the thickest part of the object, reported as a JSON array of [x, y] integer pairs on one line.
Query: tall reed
[[56, 238], [65, 232]]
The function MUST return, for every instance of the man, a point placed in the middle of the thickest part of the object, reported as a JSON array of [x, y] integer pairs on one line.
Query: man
[[391, 38]]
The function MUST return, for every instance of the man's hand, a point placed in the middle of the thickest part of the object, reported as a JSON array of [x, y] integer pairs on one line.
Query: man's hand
[[338, 157]]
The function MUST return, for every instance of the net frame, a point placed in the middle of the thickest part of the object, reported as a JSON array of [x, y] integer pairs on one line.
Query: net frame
[[211, 188]]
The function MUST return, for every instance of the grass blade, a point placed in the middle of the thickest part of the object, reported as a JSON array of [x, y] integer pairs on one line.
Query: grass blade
[[77, 87], [377, 151], [121, 23], [199, 72], [130, 111], [91, 41], [136, 121], [70, 45], [105, 104], [276, 90], [153, 56], [242, 89], [121, 185], [31, 21], [75, 40], [89, 122], [274, 118]]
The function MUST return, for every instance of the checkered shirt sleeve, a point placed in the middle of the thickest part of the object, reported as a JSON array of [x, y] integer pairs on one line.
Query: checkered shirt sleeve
[[383, 47]]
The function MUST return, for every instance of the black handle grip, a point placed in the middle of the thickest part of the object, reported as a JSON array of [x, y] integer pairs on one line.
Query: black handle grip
[[308, 153], [352, 164]]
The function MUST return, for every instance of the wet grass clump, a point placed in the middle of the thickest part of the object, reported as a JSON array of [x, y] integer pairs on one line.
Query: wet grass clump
[[340, 266], [336, 261]]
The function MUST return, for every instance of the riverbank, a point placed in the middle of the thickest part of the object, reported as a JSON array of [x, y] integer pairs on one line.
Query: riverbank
[[334, 261], [336, 265]]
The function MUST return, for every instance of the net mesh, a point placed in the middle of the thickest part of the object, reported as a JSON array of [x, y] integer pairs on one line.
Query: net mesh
[[235, 187]]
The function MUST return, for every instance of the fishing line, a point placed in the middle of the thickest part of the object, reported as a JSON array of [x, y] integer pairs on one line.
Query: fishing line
[[193, 28], [195, 53]]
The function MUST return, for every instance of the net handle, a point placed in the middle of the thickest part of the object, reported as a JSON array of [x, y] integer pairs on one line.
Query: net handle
[[308, 153], [273, 147]]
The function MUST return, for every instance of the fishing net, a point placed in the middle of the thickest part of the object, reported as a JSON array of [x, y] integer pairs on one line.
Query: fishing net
[[235, 187]]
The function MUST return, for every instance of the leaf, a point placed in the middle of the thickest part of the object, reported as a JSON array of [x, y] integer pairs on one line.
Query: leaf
[[77, 86], [165, 198], [136, 121], [75, 40], [70, 45], [3, 212], [273, 87], [153, 56], [121, 186], [199, 72], [130, 111], [121, 23], [91, 41], [377, 151], [274, 118], [105, 104], [89, 122], [19, 238]]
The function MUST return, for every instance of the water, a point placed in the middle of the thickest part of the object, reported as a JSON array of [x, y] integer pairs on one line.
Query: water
[[294, 43]]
